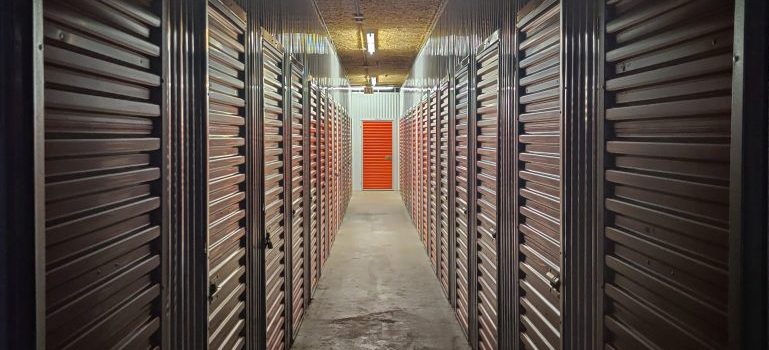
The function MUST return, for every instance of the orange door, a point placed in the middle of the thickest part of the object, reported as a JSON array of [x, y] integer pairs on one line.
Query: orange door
[[377, 155]]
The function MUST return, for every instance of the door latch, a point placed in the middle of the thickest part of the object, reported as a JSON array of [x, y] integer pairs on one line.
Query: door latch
[[555, 281]]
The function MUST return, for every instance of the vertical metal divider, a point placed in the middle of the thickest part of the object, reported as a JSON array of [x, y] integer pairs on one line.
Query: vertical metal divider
[[254, 256], [436, 96], [22, 177], [256, 88], [472, 235], [307, 184], [748, 178], [166, 178], [598, 182], [201, 172], [452, 188], [515, 184], [506, 268], [288, 233]]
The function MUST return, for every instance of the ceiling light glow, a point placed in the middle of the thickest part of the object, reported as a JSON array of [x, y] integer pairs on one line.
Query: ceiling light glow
[[370, 43]]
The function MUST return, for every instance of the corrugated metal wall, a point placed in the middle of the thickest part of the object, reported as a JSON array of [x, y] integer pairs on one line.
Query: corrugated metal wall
[[379, 106]]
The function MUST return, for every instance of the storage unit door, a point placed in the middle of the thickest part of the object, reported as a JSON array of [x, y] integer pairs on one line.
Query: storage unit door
[[443, 184], [315, 171], [432, 190], [666, 174], [424, 174], [226, 181], [377, 154], [275, 196], [461, 195], [486, 202], [103, 187], [539, 171], [323, 198], [298, 245]]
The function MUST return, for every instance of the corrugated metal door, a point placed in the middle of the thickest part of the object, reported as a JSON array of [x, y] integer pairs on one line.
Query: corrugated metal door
[[298, 245], [377, 155], [315, 192], [226, 182], [666, 174], [432, 163], [486, 202], [423, 130], [103, 175], [442, 172], [461, 195], [539, 171], [275, 197], [323, 199]]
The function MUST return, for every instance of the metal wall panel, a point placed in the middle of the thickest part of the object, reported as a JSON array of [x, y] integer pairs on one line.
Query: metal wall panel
[[666, 174], [103, 190], [275, 196], [226, 179]]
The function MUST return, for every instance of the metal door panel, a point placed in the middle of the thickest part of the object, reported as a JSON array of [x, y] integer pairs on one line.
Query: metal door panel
[[103, 175], [665, 172], [275, 195], [539, 169], [462, 249], [486, 202], [298, 159]]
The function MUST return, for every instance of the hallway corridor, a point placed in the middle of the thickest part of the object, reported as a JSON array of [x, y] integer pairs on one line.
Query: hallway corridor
[[378, 290]]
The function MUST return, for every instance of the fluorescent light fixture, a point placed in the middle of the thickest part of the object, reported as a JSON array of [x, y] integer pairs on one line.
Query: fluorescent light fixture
[[373, 80], [370, 43]]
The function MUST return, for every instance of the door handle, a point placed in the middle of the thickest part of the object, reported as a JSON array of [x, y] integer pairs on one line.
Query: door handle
[[388, 157]]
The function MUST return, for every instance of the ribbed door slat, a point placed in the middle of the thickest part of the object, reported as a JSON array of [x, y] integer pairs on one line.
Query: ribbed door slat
[[461, 195], [486, 203], [275, 196], [539, 171], [103, 175], [666, 174]]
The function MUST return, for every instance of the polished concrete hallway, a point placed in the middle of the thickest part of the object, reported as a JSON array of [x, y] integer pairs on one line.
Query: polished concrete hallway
[[378, 290]]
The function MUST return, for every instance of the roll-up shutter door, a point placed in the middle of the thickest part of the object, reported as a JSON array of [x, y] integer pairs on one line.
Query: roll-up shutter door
[[539, 192], [424, 173], [432, 163], [666, 174], [486, 203], [298, 245], [443, 184], [315, 172], [275, 196], [323, 199], [103, 184], [461, 196], [332, 164], [226, 177]]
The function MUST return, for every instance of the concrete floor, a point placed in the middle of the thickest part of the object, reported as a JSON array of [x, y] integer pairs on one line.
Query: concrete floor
[[378, 289]]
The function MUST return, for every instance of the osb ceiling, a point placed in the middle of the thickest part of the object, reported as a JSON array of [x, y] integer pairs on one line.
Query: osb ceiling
[[400, 26]]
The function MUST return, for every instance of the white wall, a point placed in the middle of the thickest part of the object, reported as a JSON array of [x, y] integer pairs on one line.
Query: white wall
[[379, 106]]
